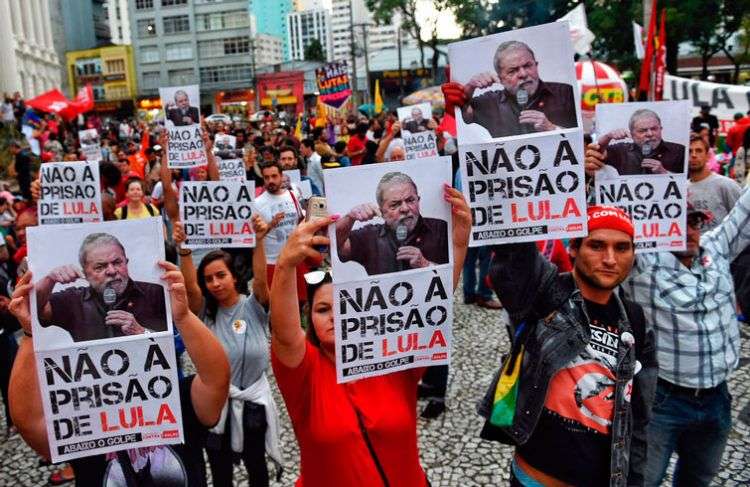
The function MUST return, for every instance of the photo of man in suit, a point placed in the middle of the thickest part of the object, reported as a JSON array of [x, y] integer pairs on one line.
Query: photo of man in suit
[[180, 113]]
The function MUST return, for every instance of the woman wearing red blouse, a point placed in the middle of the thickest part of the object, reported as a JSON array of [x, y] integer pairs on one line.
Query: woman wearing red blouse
[[358, 434]]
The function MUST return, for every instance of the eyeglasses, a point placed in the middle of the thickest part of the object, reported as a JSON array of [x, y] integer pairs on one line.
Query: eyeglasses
[[313, 278]]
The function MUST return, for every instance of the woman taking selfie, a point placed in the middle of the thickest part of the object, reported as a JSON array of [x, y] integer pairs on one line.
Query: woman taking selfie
[[363, 433]]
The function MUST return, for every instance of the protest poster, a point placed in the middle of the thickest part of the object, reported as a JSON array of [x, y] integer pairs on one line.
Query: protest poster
[[393, 322], [333, 84], [217, 214], [645, 172], [90, 144], [232, 170], [182, 121], [420, 144], [519, 83], [292, 180], [102, 328], [724, 100], [415, 118], [397, 204], [70, 193], [225, 147], [524, 190]]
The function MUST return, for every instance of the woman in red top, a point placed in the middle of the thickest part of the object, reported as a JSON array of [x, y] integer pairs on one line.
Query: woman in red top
[[358, 434]]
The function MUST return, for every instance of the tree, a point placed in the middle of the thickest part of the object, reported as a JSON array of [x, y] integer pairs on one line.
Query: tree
[[741, 53], [314, 51], [383, 12]]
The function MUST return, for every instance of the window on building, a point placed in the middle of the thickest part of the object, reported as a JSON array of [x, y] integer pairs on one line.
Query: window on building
[[218, 74], [181, 77], [149, 54], [144, 4], [115, 65], [179, 51], [146, 27], [171, 3], [176, 24], [237, 45], [151, 79], [99, 93], [222, 20]]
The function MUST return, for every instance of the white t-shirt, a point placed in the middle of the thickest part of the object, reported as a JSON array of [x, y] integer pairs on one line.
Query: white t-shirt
[[268, 205]]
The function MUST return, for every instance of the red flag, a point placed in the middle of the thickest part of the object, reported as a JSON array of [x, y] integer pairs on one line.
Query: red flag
[[645, 83], [660, 68], [52, 101], [84, 100]]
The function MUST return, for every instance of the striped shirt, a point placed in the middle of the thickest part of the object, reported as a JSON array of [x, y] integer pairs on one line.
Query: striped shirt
[[693, 309]]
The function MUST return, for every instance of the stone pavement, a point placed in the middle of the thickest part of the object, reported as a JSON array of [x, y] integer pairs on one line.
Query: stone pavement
[[452, 453]]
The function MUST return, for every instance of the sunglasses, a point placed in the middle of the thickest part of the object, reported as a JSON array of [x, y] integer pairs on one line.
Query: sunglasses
[[313, 278]]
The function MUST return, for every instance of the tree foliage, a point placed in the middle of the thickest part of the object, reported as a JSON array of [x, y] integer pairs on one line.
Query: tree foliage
[[314, 51]]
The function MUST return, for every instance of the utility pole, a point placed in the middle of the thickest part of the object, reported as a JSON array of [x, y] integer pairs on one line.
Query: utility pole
[[365, 25], [400, 71], [354, 56]]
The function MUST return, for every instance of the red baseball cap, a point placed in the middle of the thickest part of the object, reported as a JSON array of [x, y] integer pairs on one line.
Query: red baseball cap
[[609, 217]]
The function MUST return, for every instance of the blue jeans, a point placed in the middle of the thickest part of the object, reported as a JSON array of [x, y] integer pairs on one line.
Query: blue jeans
[[696, 428], [477, 256]]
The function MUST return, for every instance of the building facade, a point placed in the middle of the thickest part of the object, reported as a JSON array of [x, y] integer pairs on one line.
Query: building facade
[[270, 18], [269, 50], [303, 27], [119, 21], [30, 64], [182, 42], [111, 72]]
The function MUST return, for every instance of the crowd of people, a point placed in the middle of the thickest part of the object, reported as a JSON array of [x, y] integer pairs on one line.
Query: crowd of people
[[660, 331]]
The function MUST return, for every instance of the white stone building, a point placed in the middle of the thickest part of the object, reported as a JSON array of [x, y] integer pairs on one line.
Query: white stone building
[[119, 21], [268, 50], [303, 27], [28, 61]]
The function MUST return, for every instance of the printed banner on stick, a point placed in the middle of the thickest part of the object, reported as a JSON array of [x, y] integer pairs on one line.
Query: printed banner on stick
[[333, 84], [90, 144]]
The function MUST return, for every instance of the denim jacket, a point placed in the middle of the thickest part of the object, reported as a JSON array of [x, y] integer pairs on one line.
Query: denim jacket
[[557, 331]]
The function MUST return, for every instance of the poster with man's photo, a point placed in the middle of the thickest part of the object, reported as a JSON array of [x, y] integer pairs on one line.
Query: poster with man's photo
[[645, 147], [101, 283], [182, 120], [391, 254], [225, 146], [71, 193], [102, 333], [90, 144], [417, 131], [396, 222], [516, 83]]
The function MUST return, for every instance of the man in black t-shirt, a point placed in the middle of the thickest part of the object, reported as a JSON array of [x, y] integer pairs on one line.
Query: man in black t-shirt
[[705, 118]]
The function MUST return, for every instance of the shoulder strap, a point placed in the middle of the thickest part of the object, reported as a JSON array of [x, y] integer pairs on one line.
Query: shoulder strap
[[366, 438], [124, 212], [150, 209]]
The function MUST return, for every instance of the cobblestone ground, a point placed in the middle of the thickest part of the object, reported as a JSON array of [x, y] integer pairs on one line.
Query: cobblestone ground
[[452, 453]]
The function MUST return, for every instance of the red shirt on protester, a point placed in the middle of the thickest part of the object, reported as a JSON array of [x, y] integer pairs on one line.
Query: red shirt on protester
[[332, 446], [737, 133], [356, 144], [138, 160]]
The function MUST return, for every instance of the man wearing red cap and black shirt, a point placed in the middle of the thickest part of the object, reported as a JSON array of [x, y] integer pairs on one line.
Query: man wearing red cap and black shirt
[[589, 370]]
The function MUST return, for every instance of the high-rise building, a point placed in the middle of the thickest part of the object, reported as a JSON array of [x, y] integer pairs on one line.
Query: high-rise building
[[268, 50], [270, 18], [28, 61], [119, 21], [179, 42], [353, 15], [303, 27]]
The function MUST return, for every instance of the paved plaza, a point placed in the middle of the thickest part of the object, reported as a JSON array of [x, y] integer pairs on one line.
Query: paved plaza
[[452, 453]]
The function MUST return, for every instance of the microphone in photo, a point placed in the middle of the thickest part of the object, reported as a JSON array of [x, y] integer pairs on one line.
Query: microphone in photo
[[401, 233], [646, 151], [522, 98], [110, 298]]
